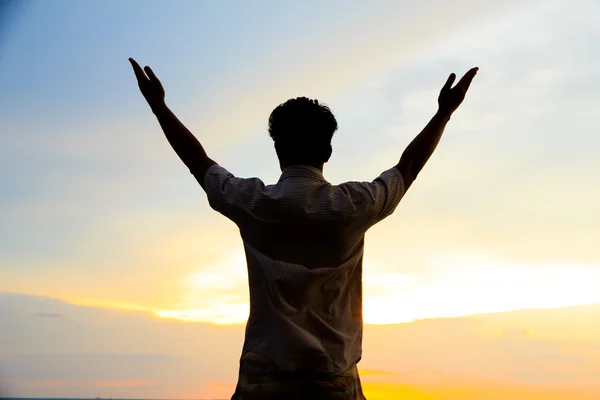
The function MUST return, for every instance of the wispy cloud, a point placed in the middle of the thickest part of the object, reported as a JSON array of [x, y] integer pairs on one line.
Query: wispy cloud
[[46, 315], [53, 384]]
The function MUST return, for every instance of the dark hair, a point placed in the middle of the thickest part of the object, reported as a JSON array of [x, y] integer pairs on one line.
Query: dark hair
[[302, 130]]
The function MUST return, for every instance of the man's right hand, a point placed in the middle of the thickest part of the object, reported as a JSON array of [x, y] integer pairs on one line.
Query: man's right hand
[[451, 97]]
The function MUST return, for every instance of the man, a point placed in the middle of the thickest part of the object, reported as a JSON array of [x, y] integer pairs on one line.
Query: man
[[304, 240]]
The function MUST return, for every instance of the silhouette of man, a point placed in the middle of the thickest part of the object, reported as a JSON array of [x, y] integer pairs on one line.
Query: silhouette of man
[[303, 239]]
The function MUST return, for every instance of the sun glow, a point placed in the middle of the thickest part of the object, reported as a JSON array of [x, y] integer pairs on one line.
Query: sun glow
[[450, 288], [459, 291], [229, 314]]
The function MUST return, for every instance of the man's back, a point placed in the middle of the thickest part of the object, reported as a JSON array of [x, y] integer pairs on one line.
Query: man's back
[[304, 241]]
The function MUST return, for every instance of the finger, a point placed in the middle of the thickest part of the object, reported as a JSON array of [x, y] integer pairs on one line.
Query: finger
[[151, 74], [139, 73], [466, 80], [449, 82]]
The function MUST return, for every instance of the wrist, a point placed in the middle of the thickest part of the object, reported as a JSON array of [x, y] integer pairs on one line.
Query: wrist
[[443, 114], [158, 107]]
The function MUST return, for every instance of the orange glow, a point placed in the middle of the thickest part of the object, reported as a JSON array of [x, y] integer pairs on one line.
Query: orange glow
[[378, 372], [386, 391], [115, 305]]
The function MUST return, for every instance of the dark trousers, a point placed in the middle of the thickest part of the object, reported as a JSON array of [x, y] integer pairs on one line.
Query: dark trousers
[[260, 379]]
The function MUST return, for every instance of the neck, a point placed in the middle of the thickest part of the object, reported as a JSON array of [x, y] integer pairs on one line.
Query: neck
[[284, 165]]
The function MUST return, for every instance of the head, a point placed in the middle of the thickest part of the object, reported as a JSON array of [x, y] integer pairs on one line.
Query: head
[[302, 130]]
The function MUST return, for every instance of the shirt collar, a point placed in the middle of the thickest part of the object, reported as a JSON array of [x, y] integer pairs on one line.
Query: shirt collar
[[302, 171]]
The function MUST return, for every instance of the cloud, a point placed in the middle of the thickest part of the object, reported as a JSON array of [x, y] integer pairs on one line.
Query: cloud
[[108, 357], [53, 384], [46, 315]]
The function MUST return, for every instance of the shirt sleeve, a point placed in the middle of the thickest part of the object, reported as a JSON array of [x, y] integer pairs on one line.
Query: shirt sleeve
[[226, 192], [377, 199]]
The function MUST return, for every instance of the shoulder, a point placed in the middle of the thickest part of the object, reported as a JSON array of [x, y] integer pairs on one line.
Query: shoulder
[[218, 179]]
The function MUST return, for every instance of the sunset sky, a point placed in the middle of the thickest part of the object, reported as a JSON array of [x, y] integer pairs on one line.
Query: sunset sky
[[103, 223]]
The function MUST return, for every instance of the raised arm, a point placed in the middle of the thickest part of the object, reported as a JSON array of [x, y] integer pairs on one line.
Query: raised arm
[[185, 144], [417, 153]]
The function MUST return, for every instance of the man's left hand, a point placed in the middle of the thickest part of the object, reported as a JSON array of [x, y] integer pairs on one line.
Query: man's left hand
[[150, 86]]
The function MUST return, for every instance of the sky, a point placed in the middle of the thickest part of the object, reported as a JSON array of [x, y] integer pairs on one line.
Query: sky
[[97, 213]]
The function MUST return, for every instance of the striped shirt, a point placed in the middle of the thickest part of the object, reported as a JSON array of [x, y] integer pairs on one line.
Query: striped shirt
[[304, 242]]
